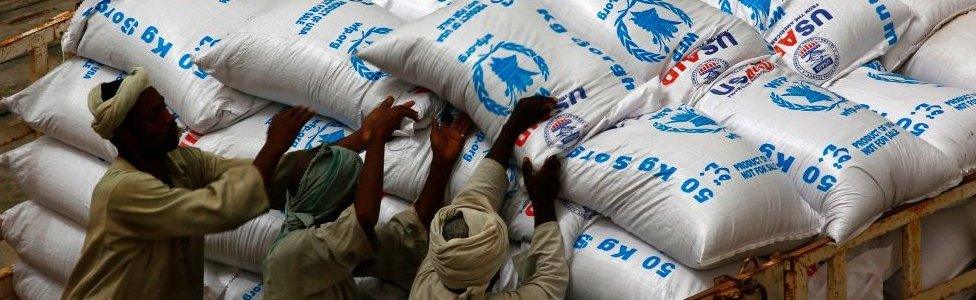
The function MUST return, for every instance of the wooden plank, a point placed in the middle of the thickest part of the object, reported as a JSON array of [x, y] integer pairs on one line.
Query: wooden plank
[[911, 258], [953, 286], [837, 276]]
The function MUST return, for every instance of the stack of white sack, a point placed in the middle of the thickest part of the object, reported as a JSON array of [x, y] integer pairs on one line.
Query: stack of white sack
[[163, 38], [610, 263], [946, 57], [49, 246], [411, 10], [650, 36], [39, 168], [520, 216], [678, 169], [823, 40], [244, 139], [57, 105], [406, 162], [948, 249], [848, 163], [29, 283], [303, 52], [470, 54], [945, 117], [930, 15]]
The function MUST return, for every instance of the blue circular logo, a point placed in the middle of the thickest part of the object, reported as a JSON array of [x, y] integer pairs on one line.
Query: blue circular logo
[[516, 67], [816, 58], [659, 19], [708, 70], [564, 131], [802, 96], [684, 120], [358, 64]]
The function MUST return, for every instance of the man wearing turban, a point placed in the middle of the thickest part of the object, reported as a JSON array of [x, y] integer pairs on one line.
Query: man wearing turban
[[330, 232], [468, 239], [152, 208]]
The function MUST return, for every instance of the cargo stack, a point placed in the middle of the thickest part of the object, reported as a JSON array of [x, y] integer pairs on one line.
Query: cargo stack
[[694, 133]]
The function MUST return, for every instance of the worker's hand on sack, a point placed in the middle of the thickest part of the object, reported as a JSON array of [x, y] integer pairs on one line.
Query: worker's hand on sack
[[385, 118], [285, 126], [543, 187], [446, 140], [529, 111]]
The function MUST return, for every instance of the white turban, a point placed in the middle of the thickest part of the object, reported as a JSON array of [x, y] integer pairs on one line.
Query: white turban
[[469, 263], [110, 113]]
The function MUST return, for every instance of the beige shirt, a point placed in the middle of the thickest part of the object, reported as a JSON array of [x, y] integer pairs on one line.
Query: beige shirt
[[320, 262], [145, 239], [551, 274]]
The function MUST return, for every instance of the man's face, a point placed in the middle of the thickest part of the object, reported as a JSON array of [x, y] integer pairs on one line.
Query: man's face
[[155, 125]]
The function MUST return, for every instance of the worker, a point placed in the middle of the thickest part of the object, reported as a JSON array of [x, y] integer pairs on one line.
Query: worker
[[469, 241], [152, 208], [330, 231]]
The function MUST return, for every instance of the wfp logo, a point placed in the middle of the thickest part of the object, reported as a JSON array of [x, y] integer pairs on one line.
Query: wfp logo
[[893, 78], [357, 63], [684, 120], [810, 98], [816, 58], [513, 65], [708, 70], [563, 131], [759, 12], [659, 18]]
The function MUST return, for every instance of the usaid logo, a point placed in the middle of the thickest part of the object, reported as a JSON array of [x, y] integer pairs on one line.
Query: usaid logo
[[563, 131], [515, 66], [816, 58], [708, 70], [357, 63], [659, 18], [802, 96], [684, 120]]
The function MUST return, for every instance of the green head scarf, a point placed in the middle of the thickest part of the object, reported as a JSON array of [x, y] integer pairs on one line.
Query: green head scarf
[[110, 113], [329, 179]]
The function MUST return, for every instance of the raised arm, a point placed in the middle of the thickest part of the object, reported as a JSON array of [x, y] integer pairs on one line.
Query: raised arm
[[281, 133], [446, 143], [378, 126]]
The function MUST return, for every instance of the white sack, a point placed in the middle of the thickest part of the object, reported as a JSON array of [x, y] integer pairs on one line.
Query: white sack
[[824, 39], [63, 178], [411, 10], [946, 57], [56, 175], [678, 169], [610, 263], [303, 53], [57, 105], [470, 54], [942, 116], [948, 248], [162, 38], [44, 239], [29, 283], [930, 15], [650, 36], [407, 162], [245, 138], [847, 162]]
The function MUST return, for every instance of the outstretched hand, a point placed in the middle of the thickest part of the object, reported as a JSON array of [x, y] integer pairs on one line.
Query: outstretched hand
[[543, 187], [529, 111], [446, 140], [385, 118], [285, 126]]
